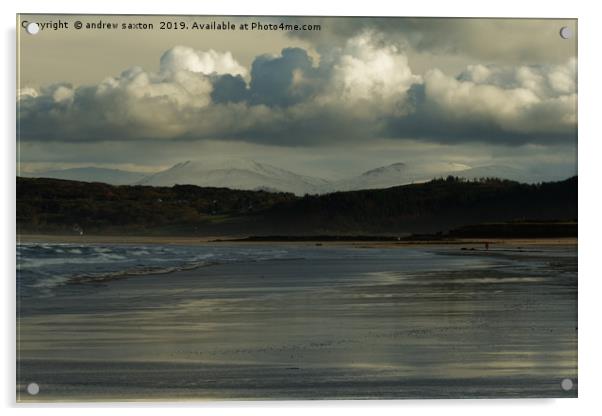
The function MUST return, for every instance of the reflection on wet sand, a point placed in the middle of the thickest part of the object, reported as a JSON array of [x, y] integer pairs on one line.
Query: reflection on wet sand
[[405, 323]]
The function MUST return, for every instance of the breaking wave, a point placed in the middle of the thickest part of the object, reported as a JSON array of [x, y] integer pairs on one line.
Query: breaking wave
[[43, 267]]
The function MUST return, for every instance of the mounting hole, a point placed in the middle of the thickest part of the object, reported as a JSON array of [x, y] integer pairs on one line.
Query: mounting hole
[[32, 28], [566, 32], [566, 384], [33, 388]]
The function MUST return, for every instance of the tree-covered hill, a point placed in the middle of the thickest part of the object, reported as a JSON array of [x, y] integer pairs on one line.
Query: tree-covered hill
[[60, 206]]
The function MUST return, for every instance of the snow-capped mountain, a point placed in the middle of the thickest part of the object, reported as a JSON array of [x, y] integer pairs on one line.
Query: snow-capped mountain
[[237, 174], [91, 174], [382, 177], [252, 175]]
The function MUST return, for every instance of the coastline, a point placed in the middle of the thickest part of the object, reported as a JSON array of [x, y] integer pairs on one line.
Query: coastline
[[192, 240]]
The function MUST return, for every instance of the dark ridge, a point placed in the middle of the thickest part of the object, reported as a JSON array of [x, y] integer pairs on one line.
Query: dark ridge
[[62, 206]]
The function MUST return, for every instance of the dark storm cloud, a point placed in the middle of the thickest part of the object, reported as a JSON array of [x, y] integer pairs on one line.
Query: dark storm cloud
[[284, 80], [229, 89], [276, 81]]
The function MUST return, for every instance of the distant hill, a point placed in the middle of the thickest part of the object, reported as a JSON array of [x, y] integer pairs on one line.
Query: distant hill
[[236, 174], [58, 206], [92, 174], [493, 171], [437, 205], [246, 174], [383, 177]]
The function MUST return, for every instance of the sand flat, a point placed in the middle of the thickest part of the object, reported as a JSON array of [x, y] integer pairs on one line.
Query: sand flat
[[431, 323]]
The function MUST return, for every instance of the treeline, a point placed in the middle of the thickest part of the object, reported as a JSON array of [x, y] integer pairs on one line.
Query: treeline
[[438, 205], [59, 206], [55, 205]]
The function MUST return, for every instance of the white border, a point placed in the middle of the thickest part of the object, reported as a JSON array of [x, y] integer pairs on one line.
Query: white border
[[589, 205]]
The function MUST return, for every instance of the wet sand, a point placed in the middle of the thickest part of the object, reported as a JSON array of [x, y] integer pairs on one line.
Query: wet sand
[[465, 324]]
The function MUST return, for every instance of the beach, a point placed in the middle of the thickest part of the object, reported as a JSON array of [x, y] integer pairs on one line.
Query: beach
[[298, 321], [239, 240]]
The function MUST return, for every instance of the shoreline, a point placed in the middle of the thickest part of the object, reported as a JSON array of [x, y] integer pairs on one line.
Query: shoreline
[[238, 240], [355, 326]]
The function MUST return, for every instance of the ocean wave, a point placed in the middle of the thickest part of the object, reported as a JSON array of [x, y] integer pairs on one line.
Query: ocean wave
[[33, 263], [52, 282], [135, 271], [44, 267]]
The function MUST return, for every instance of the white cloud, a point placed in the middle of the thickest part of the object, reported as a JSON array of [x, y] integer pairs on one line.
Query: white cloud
[[522, 99], [545, 80], [367, 70], [62, 94], [184, 58], [466, 99], [26, 92], [478, 73]]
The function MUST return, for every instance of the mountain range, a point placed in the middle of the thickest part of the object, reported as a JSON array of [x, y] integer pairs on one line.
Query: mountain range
[[247, 174], [91, 174], [237, 174]]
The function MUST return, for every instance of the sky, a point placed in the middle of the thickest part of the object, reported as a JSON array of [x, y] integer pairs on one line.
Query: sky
[[357, 94]]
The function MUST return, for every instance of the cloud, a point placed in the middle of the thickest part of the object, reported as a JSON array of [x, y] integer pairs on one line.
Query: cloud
[[340, 99], [134, 105], [183, 58], [361, 90], [26, 92], [283, 80], [544, 80], [62, 94], [501, 41], [510, 107], [229, 89], [495, 104], [368, 71]]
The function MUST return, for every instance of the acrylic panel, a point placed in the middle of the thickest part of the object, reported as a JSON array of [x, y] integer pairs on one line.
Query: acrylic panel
[[277, 208]]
